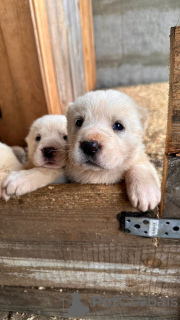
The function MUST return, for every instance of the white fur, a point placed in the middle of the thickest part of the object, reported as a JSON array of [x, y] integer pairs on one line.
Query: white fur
[[40, 171], [8, 163], [122, 152]]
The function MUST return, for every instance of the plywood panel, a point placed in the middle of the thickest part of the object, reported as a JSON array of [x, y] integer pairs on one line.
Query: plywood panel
[[22, 97]]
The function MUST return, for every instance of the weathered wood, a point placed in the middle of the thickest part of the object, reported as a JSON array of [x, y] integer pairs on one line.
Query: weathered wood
[[68, 236], [22, 97], [4, 315], [43, 43], [73, 25], [171, 208], [50, 302], [88, 43], [173, 128], [60, 49]]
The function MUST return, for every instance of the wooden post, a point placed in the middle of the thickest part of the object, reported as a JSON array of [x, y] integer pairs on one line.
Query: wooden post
[[170, 206]]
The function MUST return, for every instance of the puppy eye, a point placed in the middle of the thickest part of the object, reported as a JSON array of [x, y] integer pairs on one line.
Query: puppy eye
[[118, 126], [65, 137], [38, 138], [79, 122]]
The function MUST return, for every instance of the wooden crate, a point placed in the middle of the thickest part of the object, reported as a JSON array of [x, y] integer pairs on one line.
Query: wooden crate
[[65, 238]]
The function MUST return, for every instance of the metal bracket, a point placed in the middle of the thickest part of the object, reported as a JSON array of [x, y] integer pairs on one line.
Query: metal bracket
[[150, 227]]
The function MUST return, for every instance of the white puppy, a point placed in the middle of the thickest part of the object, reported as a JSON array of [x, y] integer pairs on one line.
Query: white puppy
[[8, 163], [105, 130], [47, 141]]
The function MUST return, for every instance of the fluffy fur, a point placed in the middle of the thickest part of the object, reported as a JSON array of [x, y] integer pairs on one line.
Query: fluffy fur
[[120, 153], [8, 163], [47, 141]]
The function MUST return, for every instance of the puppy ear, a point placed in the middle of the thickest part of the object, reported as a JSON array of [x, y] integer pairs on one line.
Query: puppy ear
[[69, 106], [144, 117]]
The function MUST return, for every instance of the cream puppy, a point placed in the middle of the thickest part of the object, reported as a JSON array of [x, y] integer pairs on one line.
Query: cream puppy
[[105, 130], [8, 163], [47, 141]]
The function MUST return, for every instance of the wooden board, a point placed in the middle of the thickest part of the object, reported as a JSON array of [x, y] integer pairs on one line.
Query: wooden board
[[43, 42], [60, 50], [170, 205], [68, 236], [85, 7], [22, 97], [50, 302], [173, 129], [73, 25]]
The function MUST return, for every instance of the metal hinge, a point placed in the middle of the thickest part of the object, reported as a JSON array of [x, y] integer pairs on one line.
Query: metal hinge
[[145, 226]]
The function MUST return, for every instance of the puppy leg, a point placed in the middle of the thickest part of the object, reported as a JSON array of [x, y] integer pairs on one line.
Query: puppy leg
[[25, 181], [143, 185]]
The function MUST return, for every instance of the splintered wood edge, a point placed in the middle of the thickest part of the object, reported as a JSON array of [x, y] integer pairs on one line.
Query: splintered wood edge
[[45, 55]]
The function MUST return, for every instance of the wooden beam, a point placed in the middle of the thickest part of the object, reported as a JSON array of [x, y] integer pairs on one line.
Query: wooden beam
[[44, 48], [170, 204], [173, 128]]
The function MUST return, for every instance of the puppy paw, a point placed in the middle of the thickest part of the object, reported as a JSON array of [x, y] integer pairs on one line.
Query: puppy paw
[[144, 196], [16, 184]]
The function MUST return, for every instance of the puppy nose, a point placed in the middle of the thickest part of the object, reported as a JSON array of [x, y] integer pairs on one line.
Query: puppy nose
[[48, 152], [90, 147]]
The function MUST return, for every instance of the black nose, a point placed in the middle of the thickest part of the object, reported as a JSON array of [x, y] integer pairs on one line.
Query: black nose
[[49, 152], [90, 147]]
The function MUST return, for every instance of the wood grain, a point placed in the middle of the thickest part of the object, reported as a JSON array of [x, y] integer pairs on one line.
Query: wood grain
[[86, 15], [22, 97], [73, 25], [43, 43], [50, 302], [60, 50], [171, 205], [173, 128], [68, 236]]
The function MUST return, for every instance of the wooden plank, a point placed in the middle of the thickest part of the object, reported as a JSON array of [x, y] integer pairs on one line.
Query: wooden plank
[[22, 97], [173, 128], [139, 268], [60, 49], [50, 302], [73, 25], [43, 43], [68, 236], [88, 43], [171, 205]]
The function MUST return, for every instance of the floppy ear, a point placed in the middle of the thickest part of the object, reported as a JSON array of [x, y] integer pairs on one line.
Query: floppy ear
[[144, 117]]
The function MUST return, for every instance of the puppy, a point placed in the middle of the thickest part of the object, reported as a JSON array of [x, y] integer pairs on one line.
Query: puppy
[[105, 131], [8, 163], [47, 140]]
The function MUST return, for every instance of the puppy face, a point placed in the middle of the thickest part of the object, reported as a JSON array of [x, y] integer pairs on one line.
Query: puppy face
[[105, 129], [47, 140]]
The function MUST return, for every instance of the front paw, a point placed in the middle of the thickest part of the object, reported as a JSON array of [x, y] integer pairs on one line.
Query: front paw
[[16, 184], [144, 196]]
